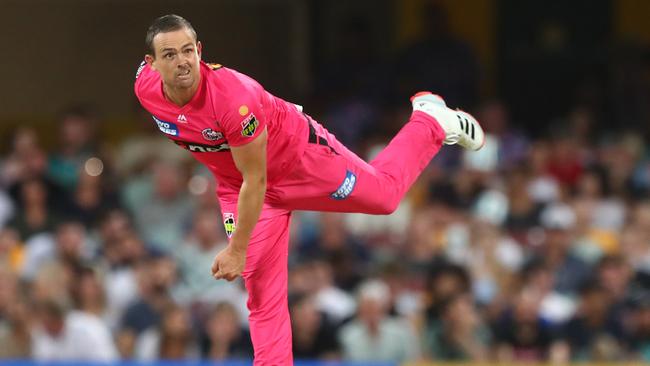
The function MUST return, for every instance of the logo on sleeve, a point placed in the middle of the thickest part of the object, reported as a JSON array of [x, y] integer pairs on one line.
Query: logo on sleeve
[[249, 126], [166, 127], [346, 187], [140, 68], [229, 223], [211, 135]]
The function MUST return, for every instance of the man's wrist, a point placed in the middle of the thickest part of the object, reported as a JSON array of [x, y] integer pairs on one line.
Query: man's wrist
[[236, 245]]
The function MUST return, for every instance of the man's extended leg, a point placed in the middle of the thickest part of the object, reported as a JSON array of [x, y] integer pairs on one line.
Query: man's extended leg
[[329, 177], [377, 186], [265, 277]]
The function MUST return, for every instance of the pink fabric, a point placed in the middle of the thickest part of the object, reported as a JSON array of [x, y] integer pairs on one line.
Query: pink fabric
[[265, 277], [217, 117], [379, 187], [231, 109]]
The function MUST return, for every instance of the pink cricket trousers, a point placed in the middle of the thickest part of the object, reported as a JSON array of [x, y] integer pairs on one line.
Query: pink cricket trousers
[[327, 178]]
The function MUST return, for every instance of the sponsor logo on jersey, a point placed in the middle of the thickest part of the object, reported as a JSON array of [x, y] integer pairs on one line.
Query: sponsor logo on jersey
[[166, 127], [181, 118], [346, 187], [200, 148], [229, 223], [211, 135], [140, 68], [249, 126]]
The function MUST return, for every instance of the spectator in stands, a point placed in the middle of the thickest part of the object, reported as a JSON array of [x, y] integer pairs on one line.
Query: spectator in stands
[[88, 294], [640, 328], [14, 318], [462, 336], [34, 214], [594, 333], [636, 236], [345, 254], [91, 199], [445, 281], [520, 334], [63, 335], [122, 251], [173, 339], [314, 337], [156, 278], [12, 252], [523, 210], [69, 248], [26, 159], [373, 335], [315, 277], [571, 271], [196, 254], [565, 163], [161, 206], [76, 143], [614, 274], [225, 337]]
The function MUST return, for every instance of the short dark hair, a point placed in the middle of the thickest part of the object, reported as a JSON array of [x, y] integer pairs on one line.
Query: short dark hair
[[166, 23]]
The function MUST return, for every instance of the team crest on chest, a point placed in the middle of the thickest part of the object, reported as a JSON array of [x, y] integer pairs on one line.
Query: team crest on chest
[[211, 135]]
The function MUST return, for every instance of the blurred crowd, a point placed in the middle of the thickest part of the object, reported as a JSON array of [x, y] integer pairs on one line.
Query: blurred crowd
[[531, 249], [536, 248]]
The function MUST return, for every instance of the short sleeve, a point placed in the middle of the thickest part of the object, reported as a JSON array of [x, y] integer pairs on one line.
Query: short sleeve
[[244, 119]]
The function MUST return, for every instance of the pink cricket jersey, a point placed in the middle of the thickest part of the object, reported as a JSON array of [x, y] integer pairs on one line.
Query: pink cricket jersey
[[228, 109]]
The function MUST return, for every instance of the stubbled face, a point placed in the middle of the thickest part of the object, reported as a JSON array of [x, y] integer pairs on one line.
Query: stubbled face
[[176, 57]]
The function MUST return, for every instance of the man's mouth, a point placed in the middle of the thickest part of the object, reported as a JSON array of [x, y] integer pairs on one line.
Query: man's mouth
[[184, 74]]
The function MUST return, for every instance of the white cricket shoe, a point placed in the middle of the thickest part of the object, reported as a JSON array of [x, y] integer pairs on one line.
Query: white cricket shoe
[[460, 127]]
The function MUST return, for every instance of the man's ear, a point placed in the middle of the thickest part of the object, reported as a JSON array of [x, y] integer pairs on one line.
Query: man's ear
[[199, 48], [149, 59]]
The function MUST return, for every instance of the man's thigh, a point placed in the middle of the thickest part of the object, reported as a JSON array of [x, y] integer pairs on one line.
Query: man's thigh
[[329, 180], [269, 239]]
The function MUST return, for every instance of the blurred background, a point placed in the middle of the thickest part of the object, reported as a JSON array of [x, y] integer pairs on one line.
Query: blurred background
[[536, 248]]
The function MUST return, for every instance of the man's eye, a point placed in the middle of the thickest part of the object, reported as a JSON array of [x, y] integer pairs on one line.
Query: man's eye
[[168, 55], [189, 50]]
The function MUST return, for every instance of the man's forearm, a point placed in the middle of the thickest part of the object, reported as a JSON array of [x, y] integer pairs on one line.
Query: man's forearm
[[249, 206]]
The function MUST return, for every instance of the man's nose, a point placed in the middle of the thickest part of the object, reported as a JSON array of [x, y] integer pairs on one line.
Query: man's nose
[[183, 59]]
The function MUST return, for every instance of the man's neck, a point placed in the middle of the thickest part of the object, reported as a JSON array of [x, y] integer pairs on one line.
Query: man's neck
[[181, 97]]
